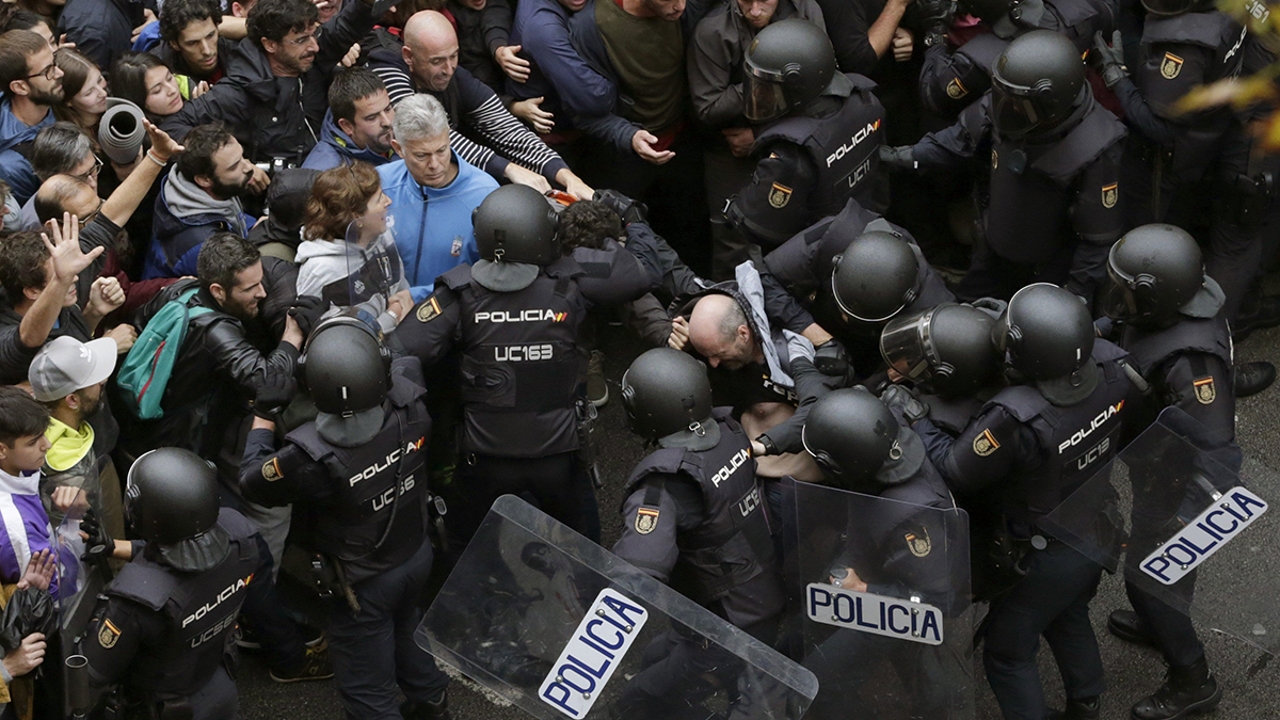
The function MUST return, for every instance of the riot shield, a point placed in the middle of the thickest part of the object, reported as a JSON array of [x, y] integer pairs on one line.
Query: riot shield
[[374, 269], [885, 606], [561, 628], [1182, 511]]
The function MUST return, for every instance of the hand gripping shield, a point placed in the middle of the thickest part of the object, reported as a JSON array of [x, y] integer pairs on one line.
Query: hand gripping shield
[[900, 647], [1183, 511], [563, 629]]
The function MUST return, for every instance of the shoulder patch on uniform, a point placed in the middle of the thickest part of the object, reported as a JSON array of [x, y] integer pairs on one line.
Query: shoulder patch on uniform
[[1170, 66], [779, 196], [956, 89], [985, 444], [1110, 194], [919, 545], [108, 634], [428, 310], [1206, 392], [271, 470], [995, 159], [646, 520]]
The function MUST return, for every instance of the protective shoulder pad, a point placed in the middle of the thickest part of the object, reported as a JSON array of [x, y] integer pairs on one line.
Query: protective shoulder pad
[[565, 267], [144, 583], [456, 278], [236, 525], [1106, 351], [1204, 29], [1085, 143], [407, 381], [665, 460], [797, 129], [984, 49], [1022, 401]]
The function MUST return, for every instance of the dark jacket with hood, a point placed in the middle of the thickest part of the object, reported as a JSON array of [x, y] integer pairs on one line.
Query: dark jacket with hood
[[174, 60], [275, 116], [337, 148], [177, 236]]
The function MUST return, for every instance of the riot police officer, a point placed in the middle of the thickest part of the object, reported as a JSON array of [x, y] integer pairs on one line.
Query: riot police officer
[[1168, 315], [1040, 439], [514, 318], [852, 273], [694, 517], [357, 477], [819, 146], [951, 80], [863, 446], [1051, 211], [1177, 158], [164, 628]]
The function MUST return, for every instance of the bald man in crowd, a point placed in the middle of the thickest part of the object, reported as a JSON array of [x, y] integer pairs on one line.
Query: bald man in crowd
[[428, 63]]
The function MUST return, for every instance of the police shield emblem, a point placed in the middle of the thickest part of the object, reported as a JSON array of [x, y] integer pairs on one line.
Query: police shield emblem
[[271, 470], [1110, 194], [779, 196], [919, 545], [956, 90], [1206, 392], [646, 520], [428, 310], [108, 634], [1171, 66], [985, 444]]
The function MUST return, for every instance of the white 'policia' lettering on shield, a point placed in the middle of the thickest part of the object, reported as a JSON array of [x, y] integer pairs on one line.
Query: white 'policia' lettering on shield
[[874, 614], [593, 654], [1201, 538]]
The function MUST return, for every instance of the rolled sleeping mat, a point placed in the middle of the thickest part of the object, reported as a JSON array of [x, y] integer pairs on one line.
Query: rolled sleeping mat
[[120, 132]]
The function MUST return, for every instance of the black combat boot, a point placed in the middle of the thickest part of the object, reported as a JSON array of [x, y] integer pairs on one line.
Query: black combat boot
[[437, 709], [1086, 709], [1129, 626], [1187, 691]]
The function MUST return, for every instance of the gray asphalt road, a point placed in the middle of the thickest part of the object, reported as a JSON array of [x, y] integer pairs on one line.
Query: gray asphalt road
[[1251, 685]]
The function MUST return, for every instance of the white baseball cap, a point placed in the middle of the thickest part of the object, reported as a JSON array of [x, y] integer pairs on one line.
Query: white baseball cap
[[65, 365]]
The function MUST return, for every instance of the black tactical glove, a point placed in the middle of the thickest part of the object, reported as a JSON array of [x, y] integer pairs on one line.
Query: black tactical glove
[[630, 210], [306, 311], [831, 359], [1110, 59], [272, 393], [991, 306], [100, 539], [770, 448], [898, 158], [905, 401]]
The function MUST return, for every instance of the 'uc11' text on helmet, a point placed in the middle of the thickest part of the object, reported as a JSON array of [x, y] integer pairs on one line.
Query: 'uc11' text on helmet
[[788, 65], [172, 496], [347, 369], [1038, 83], [1155, 270], [945, 350], [516, 224], [875, 277], [666, 391]]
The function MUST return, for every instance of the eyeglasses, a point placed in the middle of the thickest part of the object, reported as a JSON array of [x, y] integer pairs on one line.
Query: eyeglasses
[[302, 41], [91, 172], [50, 71], [89, 218]]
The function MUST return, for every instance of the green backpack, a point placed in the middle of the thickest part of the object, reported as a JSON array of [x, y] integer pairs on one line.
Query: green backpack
[[145, 372]]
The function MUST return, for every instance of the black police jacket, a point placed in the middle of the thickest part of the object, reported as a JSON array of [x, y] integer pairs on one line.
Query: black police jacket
[[520, 364], [163, 632], [1040, 451], [951, 80], [809, 166], [363, 505], [715, 546], [1188, 366]]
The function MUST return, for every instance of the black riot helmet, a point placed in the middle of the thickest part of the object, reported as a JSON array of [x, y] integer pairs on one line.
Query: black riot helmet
[[1155, 270], [989, 11], [1047, 337], [666, 392], [788, 65], [516, 224], [172, 496], [347, 369], [875, 277], [945, 350], [1038, 83], [857, 441]]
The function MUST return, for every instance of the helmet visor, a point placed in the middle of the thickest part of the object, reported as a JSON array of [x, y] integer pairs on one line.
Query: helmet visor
[[1015, 116], [907, 347], [1118, 299], [765, 97]]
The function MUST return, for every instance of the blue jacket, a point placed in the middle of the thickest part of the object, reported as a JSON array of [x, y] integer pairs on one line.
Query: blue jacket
[[176, 242], [14, 168], [337, 148], [558, 72], [432, 226]]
